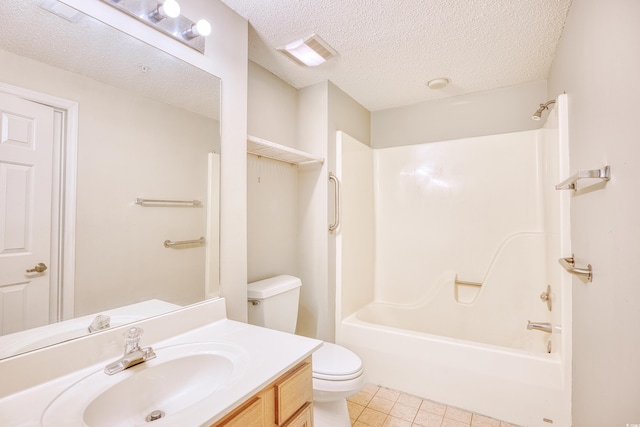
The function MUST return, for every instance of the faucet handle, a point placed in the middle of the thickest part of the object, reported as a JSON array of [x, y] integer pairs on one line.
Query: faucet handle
[[134, 332], [133, 336]]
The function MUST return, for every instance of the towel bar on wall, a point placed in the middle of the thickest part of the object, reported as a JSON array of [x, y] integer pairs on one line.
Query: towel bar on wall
[[570, 183], [336, 222], [160, 202], [183, 243], [569, 265]]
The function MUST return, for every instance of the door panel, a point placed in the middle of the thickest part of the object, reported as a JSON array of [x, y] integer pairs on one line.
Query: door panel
[[26, 161]]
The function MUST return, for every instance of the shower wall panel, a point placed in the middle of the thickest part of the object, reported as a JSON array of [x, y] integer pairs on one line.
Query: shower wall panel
[[448, 207]]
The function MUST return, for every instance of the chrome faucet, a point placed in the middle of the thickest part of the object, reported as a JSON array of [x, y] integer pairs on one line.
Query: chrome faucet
[[539, 326], [133, 353]]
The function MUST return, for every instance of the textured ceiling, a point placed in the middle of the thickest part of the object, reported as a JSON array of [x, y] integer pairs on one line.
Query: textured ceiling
[[95, 50], [388, 49]]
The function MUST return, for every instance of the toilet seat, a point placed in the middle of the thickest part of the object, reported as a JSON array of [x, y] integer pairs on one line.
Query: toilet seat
[[332, 362]]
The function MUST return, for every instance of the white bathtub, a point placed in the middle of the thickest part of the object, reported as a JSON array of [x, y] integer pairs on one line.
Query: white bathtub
[[471, 348], [521, 387]]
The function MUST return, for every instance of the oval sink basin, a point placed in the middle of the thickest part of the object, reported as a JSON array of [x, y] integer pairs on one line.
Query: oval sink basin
[[177, 379]]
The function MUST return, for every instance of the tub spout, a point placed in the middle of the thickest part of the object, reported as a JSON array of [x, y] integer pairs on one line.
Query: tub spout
[[539, 326]]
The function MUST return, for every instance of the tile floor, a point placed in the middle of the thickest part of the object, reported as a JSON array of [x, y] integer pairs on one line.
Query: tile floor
[[377, 406]]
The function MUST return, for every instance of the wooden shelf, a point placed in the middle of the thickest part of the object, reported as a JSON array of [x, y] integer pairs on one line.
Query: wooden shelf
[[264, 148]]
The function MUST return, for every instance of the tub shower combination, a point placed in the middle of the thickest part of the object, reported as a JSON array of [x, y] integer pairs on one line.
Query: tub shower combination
[[447, 276]]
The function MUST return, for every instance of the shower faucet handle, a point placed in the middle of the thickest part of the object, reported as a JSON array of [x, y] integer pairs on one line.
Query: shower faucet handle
[[546, 297]]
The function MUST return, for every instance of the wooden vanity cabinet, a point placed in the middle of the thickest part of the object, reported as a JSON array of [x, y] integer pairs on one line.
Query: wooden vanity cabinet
[[287, 402]]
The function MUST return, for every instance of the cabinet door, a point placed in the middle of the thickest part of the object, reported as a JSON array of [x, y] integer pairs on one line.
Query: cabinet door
[[304, 418], [293, 392], [249, 415]]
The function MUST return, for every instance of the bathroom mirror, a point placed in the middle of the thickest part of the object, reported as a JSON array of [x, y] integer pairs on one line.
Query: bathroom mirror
[[147, 128]]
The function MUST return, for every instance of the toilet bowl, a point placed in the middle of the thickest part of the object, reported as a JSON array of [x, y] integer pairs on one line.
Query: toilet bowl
[[337, 372], [337, 375]]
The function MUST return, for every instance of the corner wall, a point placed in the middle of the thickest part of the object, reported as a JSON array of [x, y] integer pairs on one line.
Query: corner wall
[[305, 119], [597, 65], [490, 112]]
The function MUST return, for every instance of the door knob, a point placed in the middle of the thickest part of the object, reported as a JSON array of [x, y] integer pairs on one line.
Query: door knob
[[39, 268]]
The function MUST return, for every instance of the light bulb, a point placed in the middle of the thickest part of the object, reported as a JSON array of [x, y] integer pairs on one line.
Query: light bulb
[[200, 28], [168, 9]]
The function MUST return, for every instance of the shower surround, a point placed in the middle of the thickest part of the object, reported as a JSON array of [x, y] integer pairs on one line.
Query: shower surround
[[465, 236]]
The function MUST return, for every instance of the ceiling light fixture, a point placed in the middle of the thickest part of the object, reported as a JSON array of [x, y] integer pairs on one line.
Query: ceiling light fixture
[[310, 51], [164, 16]]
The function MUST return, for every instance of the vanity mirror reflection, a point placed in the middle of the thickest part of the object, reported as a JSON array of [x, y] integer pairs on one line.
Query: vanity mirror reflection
[[125, 121]]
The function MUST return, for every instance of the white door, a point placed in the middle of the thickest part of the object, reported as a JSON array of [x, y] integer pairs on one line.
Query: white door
[[26, 162]]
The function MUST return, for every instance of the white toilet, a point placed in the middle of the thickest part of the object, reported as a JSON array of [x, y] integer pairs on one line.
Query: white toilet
[[337, 371]]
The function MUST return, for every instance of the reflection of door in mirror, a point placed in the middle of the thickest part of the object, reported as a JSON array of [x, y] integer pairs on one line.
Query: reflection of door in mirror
[[147, 125], [26, 158]]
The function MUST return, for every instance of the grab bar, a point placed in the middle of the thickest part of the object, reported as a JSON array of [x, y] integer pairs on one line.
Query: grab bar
[[569, 265], [333, 227], [183, 243], [462, 282], [571, 182], [160, 202]]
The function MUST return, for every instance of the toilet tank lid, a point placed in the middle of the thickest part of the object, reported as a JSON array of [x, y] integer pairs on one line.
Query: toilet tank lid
[[272, 286]]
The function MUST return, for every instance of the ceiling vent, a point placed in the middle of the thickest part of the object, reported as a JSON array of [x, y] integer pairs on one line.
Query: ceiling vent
[[310, 51]]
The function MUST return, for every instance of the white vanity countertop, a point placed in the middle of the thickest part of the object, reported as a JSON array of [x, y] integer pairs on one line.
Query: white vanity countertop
[[268, 355]]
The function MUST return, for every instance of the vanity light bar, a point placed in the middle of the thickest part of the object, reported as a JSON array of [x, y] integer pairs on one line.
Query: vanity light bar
[[164, 16]]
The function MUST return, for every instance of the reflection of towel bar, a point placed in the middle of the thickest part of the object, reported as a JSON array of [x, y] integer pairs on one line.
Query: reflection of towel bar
[[462, 282], [569, 265], [571, 182], [159, 202], [183, 243]]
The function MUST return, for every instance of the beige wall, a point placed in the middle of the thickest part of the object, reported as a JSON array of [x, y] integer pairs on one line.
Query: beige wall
[[272, 218], [597, 65], [305, 119], [272, 186], [314, 318], [323, 110], [490, 112], [273, 107]]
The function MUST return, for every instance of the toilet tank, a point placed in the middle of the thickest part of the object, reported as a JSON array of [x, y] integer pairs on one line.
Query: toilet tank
[[273, 302]]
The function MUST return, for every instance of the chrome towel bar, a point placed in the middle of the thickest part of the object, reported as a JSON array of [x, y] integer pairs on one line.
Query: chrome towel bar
[[183, 243], [570, 183], [569, 265], [333, 227], [160, 202]]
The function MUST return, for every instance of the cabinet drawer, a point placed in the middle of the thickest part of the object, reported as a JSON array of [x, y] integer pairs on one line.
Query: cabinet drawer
[[302, 418], [293, 392], [249, 415]]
